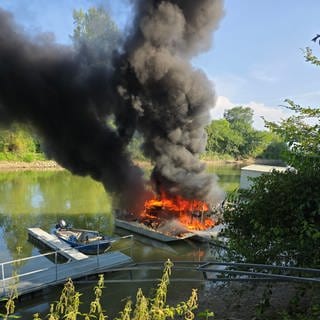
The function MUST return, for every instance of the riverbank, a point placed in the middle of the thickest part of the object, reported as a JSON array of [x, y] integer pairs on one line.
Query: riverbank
[[53, 165], [33, 165], [47, 165]]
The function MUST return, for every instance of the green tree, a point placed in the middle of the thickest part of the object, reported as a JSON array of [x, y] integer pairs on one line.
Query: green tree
[[278, 218], [302, 134], [135, 145], [19, 142], [235, 136], [239, 116], [95, 34], [241, 119], [272, 146], [252, 142], [301, 131], [310, 57], [222, 139]]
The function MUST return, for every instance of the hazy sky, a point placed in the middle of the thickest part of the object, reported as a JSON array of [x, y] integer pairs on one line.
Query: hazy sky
[[256, 59]]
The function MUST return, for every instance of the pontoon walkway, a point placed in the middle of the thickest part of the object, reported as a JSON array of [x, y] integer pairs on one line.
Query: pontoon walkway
[[79, 266]]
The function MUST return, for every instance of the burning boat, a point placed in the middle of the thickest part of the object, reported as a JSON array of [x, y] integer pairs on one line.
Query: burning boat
[[168, 218]]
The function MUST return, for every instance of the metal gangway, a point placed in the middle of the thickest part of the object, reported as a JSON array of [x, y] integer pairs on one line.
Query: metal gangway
[[24, 276]]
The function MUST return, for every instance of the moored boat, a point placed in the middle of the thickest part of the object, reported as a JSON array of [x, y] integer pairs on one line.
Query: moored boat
[[86, 241]]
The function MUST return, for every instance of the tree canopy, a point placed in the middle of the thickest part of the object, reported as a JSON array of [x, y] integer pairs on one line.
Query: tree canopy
[[235, 135], [239, 116], [95, 34], [302, 133]]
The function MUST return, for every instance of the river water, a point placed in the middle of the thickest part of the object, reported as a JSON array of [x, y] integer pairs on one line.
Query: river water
[[41, 198]]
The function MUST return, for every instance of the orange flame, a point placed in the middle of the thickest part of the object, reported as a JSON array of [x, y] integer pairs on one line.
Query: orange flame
[[193, 214]]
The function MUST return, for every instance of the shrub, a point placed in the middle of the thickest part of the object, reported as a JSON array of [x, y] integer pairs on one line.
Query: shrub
[[277, 220]]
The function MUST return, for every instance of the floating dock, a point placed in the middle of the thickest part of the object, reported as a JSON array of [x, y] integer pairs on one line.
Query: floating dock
[[79, 266], [143, 230], [54, 243]]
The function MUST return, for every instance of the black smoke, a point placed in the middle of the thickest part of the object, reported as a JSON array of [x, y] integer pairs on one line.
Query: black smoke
[[151, 87]]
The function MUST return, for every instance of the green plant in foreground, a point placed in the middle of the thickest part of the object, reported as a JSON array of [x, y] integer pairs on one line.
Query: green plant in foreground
[[206, 314], [156, 308], [13, 292], [10, 302], [9, 309]]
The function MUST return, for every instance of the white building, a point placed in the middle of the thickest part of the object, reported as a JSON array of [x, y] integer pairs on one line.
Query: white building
[[255, 170]]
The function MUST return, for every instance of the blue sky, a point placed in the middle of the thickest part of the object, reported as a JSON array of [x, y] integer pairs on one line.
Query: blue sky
[[256, 59]]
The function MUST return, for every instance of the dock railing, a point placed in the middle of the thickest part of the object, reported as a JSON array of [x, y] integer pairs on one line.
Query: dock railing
[[129, 248], [10, 270]]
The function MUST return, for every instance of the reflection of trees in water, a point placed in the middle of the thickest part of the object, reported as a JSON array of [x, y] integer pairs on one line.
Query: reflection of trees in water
[[15, 236], [34, 198], [56, 192], [229, 175]]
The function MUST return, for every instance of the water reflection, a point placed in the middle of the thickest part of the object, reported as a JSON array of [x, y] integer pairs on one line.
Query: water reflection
[[35, 198], [229, 175], [41, 198]]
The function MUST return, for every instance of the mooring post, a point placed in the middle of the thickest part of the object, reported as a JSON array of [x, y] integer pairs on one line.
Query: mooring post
[[3, 283], [131, 247], [98, 251], [56, 262]]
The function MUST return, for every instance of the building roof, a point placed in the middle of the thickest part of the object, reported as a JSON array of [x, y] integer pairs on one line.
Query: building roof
[[263, 168]]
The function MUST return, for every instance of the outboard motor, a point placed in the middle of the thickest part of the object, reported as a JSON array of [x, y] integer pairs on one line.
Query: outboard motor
[[61, 224]]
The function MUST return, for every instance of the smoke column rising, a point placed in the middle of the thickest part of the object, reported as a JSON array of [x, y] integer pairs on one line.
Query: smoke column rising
[[48, 86], [151, 88], [173, 100]]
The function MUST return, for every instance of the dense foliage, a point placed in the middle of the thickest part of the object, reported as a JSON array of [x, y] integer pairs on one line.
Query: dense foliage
[[95, 35], [277, 219], [302, 133], [144, 308], [235, 136], [19, 143]]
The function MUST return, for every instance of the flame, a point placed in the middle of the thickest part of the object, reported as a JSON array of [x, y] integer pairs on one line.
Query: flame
[[192, 214]]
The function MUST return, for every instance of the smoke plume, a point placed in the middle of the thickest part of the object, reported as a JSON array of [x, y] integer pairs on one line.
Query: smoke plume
[[151, 87]]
